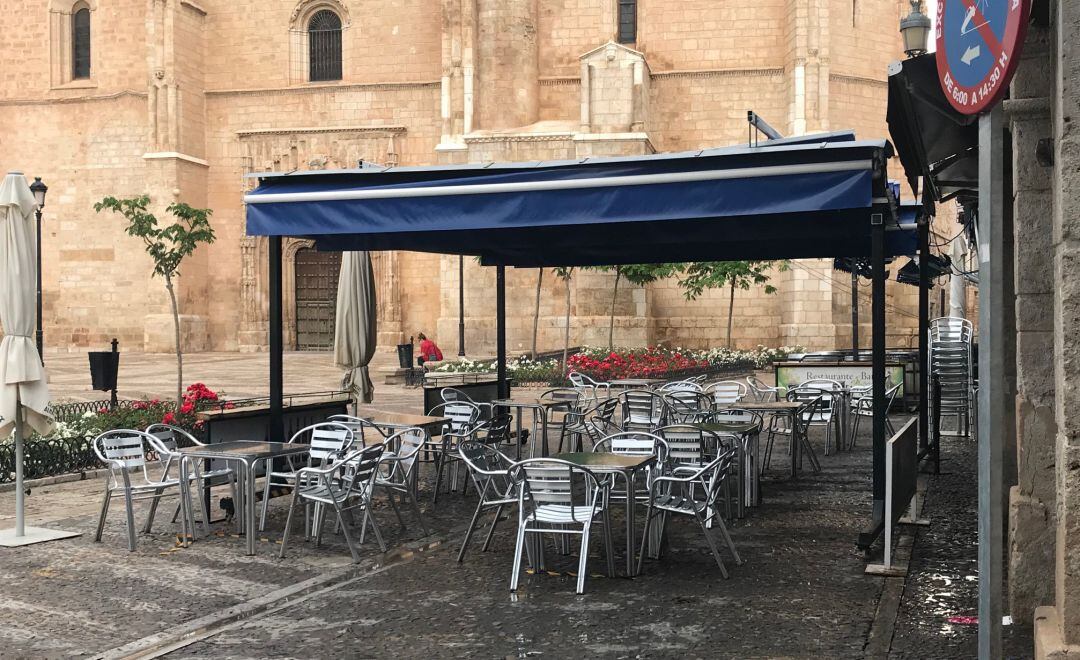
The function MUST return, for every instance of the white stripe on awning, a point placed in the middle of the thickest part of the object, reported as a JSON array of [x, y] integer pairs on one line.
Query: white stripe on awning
[[565, 184]]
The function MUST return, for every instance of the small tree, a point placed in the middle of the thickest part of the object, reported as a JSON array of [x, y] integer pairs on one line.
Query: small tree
[[701, 275], [565, 273], [167, 246], [639, 274]]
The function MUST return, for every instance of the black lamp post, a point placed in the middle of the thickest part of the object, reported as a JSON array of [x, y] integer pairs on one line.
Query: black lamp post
[[915, 29], [39, 189]]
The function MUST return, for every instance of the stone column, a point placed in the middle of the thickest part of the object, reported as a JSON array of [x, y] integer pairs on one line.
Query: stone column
[[1057, 629], [508, 66], [1031, 501]]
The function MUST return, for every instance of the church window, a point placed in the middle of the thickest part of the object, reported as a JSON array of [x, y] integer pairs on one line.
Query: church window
[[324, 46], [627, 18], [80, 43]]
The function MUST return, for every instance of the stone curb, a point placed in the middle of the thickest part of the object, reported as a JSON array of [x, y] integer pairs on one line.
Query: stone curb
[[185, 634], [57, 479]]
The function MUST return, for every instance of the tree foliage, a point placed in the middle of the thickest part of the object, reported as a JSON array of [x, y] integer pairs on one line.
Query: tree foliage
[[167, 246], [698, 276]]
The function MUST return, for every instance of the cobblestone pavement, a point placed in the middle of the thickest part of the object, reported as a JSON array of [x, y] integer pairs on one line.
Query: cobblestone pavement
[[943, 572], [801, 592]]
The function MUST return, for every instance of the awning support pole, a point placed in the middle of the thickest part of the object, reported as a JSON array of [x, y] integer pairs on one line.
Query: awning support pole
[[500, 329], [924, 330], [276, 430], [854, 312], [877, 317]]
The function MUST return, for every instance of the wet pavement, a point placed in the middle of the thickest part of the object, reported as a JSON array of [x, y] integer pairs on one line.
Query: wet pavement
[[943, 577]]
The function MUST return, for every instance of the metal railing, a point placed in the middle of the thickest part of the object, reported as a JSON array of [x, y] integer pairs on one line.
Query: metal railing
[[45, 457]]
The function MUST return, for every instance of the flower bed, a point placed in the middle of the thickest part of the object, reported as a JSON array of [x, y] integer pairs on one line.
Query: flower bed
[[650, 362]]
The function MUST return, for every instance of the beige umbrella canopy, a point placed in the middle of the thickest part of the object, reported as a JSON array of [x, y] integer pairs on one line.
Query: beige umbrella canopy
[[356, 325], [24, 393]]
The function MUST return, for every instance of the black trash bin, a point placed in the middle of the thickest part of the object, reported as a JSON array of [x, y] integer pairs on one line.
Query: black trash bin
[[404, 355], [103, 368]]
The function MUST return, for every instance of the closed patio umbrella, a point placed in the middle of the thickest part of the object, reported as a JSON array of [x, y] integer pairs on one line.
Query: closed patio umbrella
[[24, 393], [356, 325]]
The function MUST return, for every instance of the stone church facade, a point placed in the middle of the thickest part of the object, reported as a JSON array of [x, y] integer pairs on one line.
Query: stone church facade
[[182, 99]]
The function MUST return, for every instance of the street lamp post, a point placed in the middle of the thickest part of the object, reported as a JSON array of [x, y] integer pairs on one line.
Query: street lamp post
[[39, 189], [915, 29]]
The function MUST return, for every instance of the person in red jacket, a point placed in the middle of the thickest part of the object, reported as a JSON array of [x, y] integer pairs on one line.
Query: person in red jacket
[[429, 352]]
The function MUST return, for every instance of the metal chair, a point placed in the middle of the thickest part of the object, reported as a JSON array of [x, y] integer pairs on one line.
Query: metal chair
[[165, 439], [799, 433], [643, 410], [558, 497], [124, 452], [681, 386], [362, 429], [346, 486], [726, 392], [693, 494], [595, 422], [464, 424], [452, 394], [864, 407], [328, 441], [763, 392], [687, 406], [397, 472], [636, 443], [490, 471], [571, 401], [591, 387], [826, 414]]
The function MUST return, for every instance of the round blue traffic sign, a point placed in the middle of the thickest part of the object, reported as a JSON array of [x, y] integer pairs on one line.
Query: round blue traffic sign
[[978, 49]]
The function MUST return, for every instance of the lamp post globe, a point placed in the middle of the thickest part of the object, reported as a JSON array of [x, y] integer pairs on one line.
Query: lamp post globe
[[38, 188], [915, 30]]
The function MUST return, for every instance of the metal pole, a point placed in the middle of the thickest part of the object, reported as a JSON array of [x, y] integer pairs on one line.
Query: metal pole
[[276, 431], [20, 493], [39, 338], [461, 306], [992, 387], [924, 330], [877, 317], [500, 329], [854, 312], [116, 360]]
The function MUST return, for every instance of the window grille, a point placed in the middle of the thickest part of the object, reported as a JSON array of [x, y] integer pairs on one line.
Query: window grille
[[80, 44], [627, 21], [324, 46]]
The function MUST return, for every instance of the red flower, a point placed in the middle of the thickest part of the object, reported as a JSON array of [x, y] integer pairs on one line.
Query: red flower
[[187, 408], [229, 405], [169, 418], [103, 411], [199, 424]]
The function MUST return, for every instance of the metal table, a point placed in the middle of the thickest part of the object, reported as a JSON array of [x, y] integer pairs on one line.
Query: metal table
[[628, 466], [540, 409], [400, 421], [635, 382], [748, 477], [246, 455], [791, 410]]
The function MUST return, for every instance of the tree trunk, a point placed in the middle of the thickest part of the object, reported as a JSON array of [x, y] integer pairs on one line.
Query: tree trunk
[[566, 331], [536, 311], [611, 325], [179, 352], [730, 313]]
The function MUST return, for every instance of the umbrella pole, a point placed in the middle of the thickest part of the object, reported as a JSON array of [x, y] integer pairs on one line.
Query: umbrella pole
[[20, 529]]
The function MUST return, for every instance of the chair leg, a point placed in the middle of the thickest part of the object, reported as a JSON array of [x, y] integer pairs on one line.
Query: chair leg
[[200, 485], [320, 523], [266, 500], [374, 526], [416, 508], [712, 547], [518, 547], [394, 506], [609, 543], [104, 512], [491, 530], [583, 559], [438, 478], [130, 520], [469, 531], [153, 510], [344, 529], [730, 544]]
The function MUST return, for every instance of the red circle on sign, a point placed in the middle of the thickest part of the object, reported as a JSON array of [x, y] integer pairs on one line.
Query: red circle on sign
[[985, 93]]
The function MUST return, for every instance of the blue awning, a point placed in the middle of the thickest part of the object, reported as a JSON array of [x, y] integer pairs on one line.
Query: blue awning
[[785, 199]]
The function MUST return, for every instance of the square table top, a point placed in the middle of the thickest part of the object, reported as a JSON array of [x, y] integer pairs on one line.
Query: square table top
[[767, 405], [724, 427], [603, 460], [403, 420], [523, 403], [245, 449]]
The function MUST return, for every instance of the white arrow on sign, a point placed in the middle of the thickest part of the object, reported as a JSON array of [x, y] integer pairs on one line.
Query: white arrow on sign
[[970, 54]]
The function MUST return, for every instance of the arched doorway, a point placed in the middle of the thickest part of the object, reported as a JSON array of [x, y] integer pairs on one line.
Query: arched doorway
[[316, 298]]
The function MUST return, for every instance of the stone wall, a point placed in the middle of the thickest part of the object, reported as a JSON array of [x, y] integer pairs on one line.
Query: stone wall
[[187, 97]]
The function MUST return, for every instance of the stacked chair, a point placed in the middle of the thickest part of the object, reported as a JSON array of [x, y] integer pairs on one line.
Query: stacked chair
[[951, 361]]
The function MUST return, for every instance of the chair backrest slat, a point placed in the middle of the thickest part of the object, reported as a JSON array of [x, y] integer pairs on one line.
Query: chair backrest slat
[[726, 392]]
